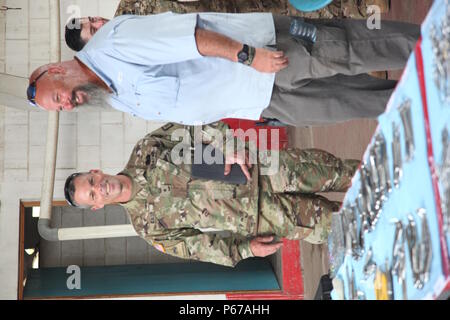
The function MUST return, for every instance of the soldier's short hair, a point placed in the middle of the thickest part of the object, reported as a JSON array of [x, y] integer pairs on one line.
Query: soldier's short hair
[[69, 190], [73, 35]]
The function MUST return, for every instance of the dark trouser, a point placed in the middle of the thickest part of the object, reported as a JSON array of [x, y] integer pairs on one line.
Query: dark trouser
[[325, 82]]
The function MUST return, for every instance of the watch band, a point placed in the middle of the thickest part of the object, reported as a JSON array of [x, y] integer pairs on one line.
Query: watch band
[[246, 55], [251, 55]]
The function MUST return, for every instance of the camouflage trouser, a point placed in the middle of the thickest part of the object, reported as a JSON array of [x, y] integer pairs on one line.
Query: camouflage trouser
[[288, 205]]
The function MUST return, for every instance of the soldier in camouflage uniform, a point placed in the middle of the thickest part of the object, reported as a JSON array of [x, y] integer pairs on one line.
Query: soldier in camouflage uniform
[[336, 9], [176, 213]]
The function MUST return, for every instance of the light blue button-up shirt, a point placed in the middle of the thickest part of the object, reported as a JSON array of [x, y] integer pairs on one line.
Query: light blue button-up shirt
[[152, 65]]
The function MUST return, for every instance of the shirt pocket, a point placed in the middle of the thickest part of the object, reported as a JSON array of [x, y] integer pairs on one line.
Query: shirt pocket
[[202, 191], [174, 181], [156, 94]]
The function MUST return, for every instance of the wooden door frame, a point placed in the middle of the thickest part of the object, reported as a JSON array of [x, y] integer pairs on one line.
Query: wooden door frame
[[267, 294], [22, 206]]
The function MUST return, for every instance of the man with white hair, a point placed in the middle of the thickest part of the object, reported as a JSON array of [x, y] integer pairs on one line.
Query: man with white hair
[[200, 68]]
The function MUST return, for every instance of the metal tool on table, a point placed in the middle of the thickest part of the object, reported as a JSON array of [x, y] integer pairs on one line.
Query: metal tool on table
[[426, 252], [405, 115], [358, 240], [352, 243], [352, 290], [390, 288], [361, 295], [414, 252], [365, 225], [444, 178], [368, 200], [399, 257], [336, 243], [375, 178], [369, 265], [383, 167], [440, 38], [396, 155]]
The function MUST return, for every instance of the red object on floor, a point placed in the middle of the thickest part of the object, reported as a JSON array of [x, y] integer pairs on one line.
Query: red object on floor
[[264, 141], [292, 280]]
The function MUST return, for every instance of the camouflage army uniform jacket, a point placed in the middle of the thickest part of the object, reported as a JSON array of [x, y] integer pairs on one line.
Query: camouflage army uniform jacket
[[174, 212]]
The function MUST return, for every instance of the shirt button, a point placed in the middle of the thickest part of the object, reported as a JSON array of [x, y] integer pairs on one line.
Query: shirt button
[[159, 113], [138, 104]]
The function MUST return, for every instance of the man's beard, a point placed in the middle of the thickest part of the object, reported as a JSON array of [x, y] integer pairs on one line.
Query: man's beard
[[97, 98]]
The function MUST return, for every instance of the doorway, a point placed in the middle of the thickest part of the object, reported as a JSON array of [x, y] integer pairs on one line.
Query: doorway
[[119, 267]]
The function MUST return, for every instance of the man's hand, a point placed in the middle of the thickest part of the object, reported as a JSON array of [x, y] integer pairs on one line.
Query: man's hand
[[269, 61], [261, 246], [213, 44], [242, 159]]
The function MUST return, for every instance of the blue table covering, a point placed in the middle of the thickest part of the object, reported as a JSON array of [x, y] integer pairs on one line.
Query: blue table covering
[[416, 186]]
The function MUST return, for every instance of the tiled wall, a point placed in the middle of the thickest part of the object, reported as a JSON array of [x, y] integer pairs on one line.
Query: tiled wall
[[24, 40], [87, 140]]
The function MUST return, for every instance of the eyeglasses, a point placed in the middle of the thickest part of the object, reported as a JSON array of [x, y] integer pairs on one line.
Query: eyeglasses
[[31, 91]]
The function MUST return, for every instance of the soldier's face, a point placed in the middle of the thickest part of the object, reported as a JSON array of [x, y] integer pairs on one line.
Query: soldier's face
[[96, 189], [89, 26]]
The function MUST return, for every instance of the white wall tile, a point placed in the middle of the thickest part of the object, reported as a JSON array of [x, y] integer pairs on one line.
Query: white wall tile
[[2, 152], [38, 128], [40, 40], [112, 146], [88, 7], [88, 128], [16, 156], [107, 8], [2, 126], [68, 118], [153, 125], [110, 117], [36, 64], [69, 9], [67, 149], [36, 163], [39, 9], [62, 174], [127, 149], [135, 128], [16, 146], [2, 38], [38, 115], [76, 8], [113, 170], [17, 58], [15, 117], [2, 67], [59, 189], [16, 134], [66, 52], [88, 158], [17, 20]]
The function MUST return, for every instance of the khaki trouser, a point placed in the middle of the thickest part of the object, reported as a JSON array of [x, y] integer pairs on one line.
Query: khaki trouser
[[325, 82]]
